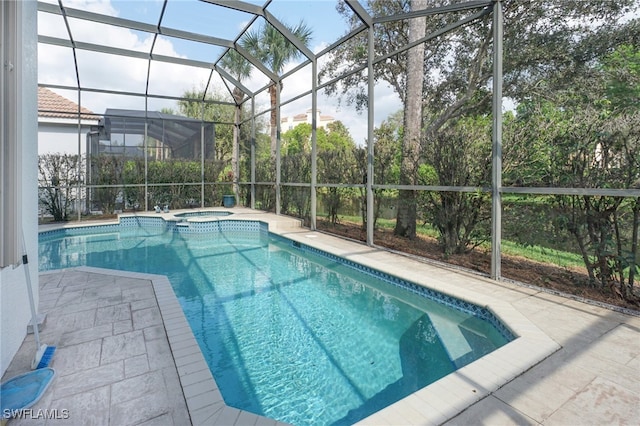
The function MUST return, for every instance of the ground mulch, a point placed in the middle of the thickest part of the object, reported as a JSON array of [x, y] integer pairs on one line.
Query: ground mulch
[[571, 281]]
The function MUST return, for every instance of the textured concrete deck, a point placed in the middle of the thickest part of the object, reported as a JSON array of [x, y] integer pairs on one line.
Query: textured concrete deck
[[127, 356], [113, 362]]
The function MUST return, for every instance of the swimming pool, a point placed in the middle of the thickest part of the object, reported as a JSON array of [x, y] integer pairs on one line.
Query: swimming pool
[[290, 332]]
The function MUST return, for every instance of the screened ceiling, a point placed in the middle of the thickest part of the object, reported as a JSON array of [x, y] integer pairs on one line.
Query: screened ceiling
[[147, 49], [143, 54]]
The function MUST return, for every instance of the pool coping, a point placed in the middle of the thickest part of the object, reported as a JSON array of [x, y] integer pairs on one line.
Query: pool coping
[[434, 404]]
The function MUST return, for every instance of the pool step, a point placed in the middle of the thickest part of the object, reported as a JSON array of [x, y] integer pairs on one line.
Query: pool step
[[451, 336]]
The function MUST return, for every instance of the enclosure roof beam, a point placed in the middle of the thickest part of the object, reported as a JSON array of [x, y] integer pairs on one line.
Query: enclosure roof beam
[[133, 94], [435, 34], [63, 13], [360, 12], [288, 35], [134, 25], [186, 35], [296, 69], [97, 17], [235, 82], [123, 52], [272, 20], [238, 5], [340, 41], [256, 63], [456, 7]]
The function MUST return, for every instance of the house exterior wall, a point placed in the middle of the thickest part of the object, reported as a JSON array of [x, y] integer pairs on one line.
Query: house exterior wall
[[61, 135], [14, 302]]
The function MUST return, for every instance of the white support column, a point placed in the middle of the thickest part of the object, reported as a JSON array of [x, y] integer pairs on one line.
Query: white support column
[[496, 170], [370, 150], [314, 151], [253, 152], [79, 168], [145, 144], [202, 153], [278, 159]]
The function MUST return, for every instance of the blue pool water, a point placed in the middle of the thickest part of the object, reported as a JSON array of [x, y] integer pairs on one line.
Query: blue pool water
[[294, 335]]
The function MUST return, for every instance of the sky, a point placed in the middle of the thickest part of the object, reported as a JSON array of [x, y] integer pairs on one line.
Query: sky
[[118, 73]]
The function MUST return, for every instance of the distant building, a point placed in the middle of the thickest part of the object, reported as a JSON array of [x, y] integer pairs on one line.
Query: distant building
[[58, 124], [288, 123]]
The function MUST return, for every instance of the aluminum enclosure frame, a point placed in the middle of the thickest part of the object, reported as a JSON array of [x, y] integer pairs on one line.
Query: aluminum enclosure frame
[[476, 8]]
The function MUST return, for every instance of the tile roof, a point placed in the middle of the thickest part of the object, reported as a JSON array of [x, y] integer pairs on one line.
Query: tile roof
[[51, 104]]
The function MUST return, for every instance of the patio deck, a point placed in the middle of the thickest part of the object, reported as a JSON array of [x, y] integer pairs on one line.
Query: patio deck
[[125, 354]]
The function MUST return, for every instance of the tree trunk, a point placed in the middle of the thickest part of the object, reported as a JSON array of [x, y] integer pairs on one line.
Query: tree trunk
[[406, 214], [235, 151], [238, 96], [274, 121]]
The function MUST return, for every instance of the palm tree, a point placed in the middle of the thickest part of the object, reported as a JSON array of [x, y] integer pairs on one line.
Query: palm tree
[[274, 50], [239, 68]]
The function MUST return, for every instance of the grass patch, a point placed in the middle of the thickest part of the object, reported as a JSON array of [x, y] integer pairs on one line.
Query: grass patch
[[543, 254], [540, 254]]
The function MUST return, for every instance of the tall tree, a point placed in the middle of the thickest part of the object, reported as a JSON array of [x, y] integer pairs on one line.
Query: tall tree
[[274, 50], [622, 72], [458, 155], [386, 164], [336, 162], [406, 212], [240, 69], [586, 135], [107, 174], [540, 44]]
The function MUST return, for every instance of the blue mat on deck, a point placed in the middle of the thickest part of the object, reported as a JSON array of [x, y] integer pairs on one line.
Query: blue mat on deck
[[23, 391]]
